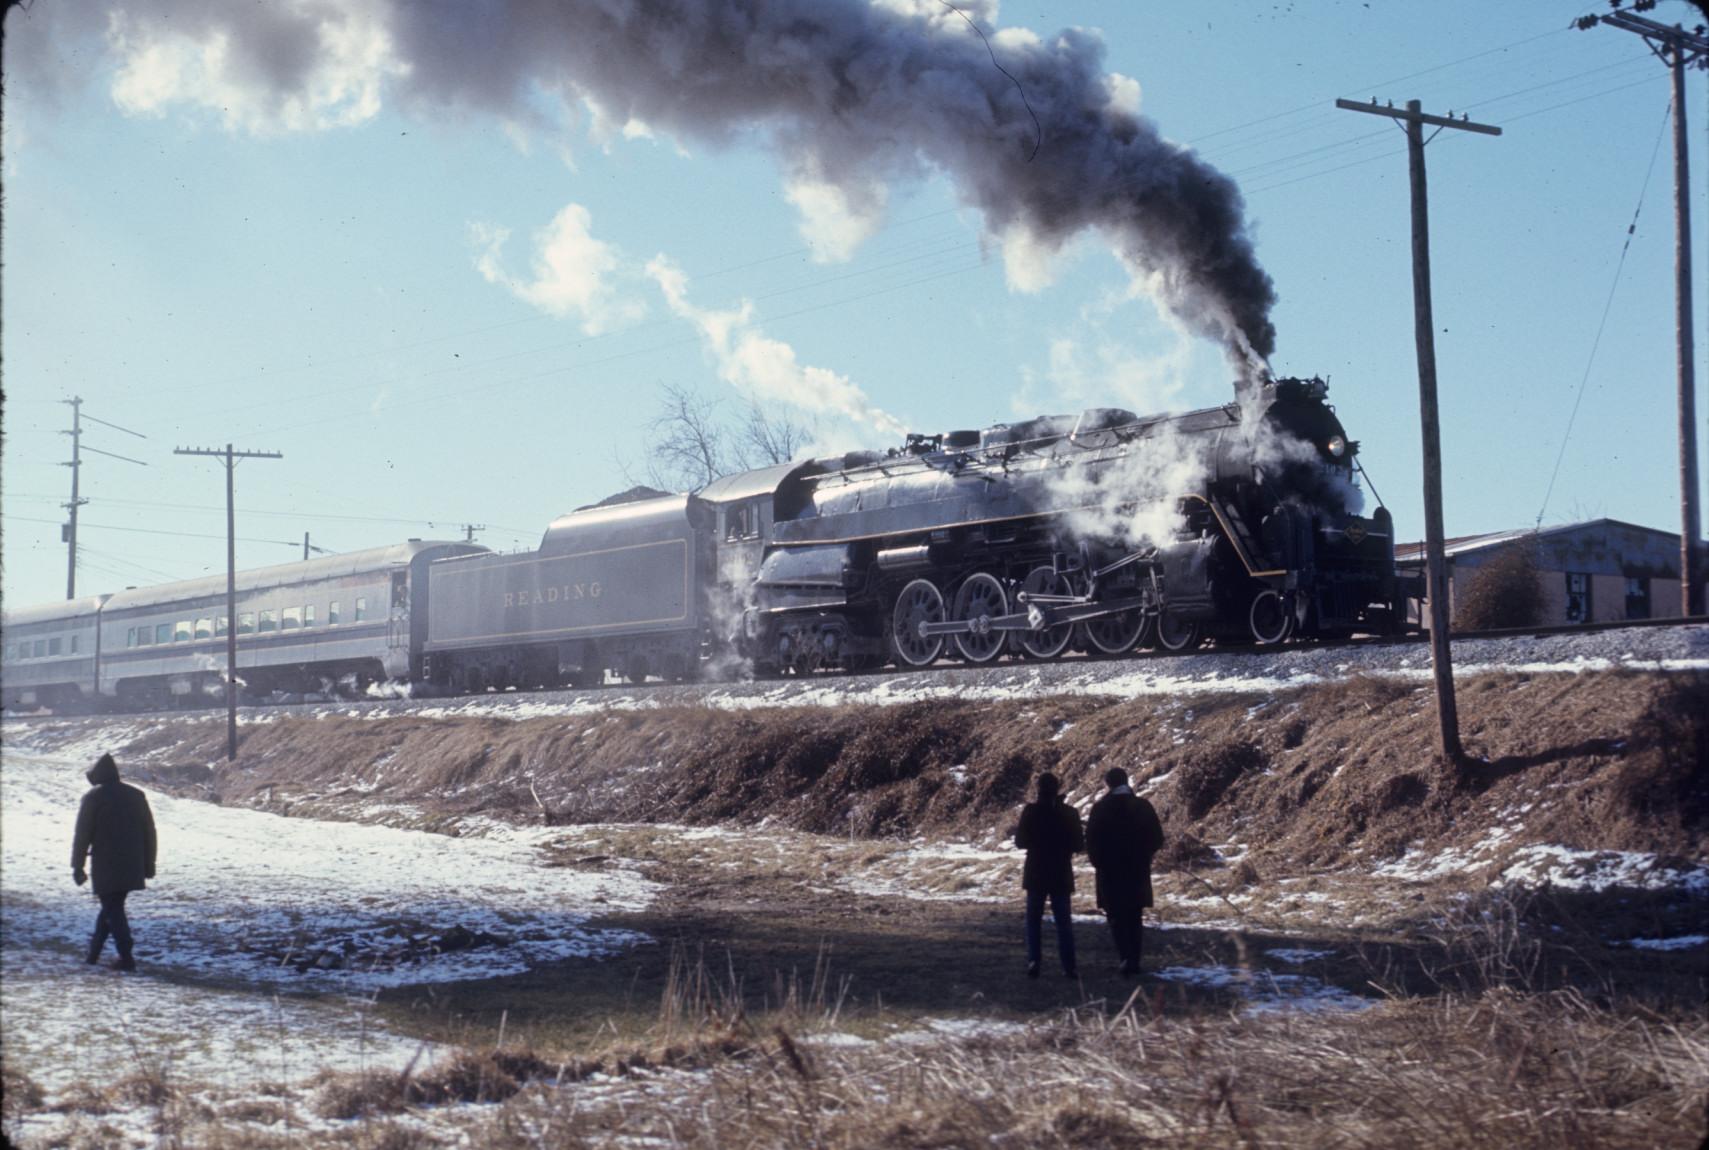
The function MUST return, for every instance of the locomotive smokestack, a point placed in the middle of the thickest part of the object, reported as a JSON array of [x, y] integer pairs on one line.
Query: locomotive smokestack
[[1033, 131]]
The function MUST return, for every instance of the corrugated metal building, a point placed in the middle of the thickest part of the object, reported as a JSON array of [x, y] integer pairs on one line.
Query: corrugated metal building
[[1598, 571]]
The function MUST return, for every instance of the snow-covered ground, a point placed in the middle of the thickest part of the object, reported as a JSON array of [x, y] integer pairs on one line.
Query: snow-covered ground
[[261, 935]]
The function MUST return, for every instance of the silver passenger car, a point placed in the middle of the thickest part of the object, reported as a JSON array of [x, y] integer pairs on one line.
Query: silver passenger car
[[335, 624], [50, 657]]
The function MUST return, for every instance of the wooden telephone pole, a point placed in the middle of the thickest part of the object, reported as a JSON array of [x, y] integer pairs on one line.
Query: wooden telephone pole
[[230, 459], [1424, 326], [1678, 48], [69, 531]]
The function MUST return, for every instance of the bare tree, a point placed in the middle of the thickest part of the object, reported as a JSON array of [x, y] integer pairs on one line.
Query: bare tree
[[770, 437], [689, 444]]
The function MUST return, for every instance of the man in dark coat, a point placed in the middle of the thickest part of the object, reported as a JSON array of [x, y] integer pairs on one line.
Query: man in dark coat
[[115, 826], [1050, 833], [1122, 833]]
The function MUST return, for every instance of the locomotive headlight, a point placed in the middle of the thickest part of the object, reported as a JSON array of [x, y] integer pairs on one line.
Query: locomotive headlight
[[1337, 446]]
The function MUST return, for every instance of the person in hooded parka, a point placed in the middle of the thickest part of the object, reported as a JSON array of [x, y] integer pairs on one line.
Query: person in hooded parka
[[115, 833]]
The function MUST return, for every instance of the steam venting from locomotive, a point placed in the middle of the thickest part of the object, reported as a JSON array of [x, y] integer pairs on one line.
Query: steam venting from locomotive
[[1033, 132]]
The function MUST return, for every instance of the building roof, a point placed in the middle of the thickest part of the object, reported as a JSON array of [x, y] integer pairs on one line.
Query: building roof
[[1464, 544]]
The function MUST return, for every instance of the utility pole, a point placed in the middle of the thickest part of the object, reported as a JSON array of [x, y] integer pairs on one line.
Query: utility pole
[[305, 547], [469, 530], [1676, 48], [69, 531], [1424, 327], [230, 459]]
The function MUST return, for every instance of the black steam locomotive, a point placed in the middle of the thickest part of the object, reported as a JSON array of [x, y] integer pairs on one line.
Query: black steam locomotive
[[1104, 532]]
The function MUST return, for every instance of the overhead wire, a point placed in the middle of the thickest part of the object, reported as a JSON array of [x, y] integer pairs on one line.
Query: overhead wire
[[1607, 308], [152, 531]]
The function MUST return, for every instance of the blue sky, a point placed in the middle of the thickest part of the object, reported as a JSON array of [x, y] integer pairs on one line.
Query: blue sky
[[465, 311]]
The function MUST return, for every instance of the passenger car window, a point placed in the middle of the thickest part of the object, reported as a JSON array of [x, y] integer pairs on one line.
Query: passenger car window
[[74, 644], [361, 607], [246, 623], [163, 632], [53, 646], [182, 633], [221, 626], [41, 648], [205, 628], [291, 618], [267, 622], [332, 613], [308, 615]]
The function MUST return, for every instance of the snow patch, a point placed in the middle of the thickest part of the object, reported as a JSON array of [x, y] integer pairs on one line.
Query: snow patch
[[1549, 865], [1683, 942]]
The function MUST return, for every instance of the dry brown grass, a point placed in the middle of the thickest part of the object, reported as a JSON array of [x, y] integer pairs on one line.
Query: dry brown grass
[[1505, 592], [1508, 1069], [1315, 777]]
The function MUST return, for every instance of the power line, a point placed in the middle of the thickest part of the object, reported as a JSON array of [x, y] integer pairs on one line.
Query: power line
[[157, 531], [1607, 307], [426, 521]]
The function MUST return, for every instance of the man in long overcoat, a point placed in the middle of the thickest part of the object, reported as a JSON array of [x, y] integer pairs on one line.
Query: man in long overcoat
[[1051, 834], [1122, 834], [115, 829]]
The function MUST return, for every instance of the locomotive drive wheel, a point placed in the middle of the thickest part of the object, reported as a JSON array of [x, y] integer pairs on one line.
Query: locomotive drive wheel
[[980, 599], [1050, 642], [920, 602], [1115, 634], [1176, 634], [1269, 619]]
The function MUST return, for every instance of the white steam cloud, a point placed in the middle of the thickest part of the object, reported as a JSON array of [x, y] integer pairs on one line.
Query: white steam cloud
[[767, 369], [1031, 130], [572, 271]]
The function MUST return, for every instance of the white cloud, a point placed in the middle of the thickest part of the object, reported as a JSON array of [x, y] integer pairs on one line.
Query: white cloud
[[833, 224], [163, 65], [1030, 264], [1090, 365], [764, 368], [1124, 93], [573, 272]]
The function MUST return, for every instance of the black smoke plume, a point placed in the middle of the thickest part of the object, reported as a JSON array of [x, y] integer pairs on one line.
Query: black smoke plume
[[850, 93]]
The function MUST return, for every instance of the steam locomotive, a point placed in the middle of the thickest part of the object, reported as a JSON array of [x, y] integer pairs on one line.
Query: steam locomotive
[[1104, 533]]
